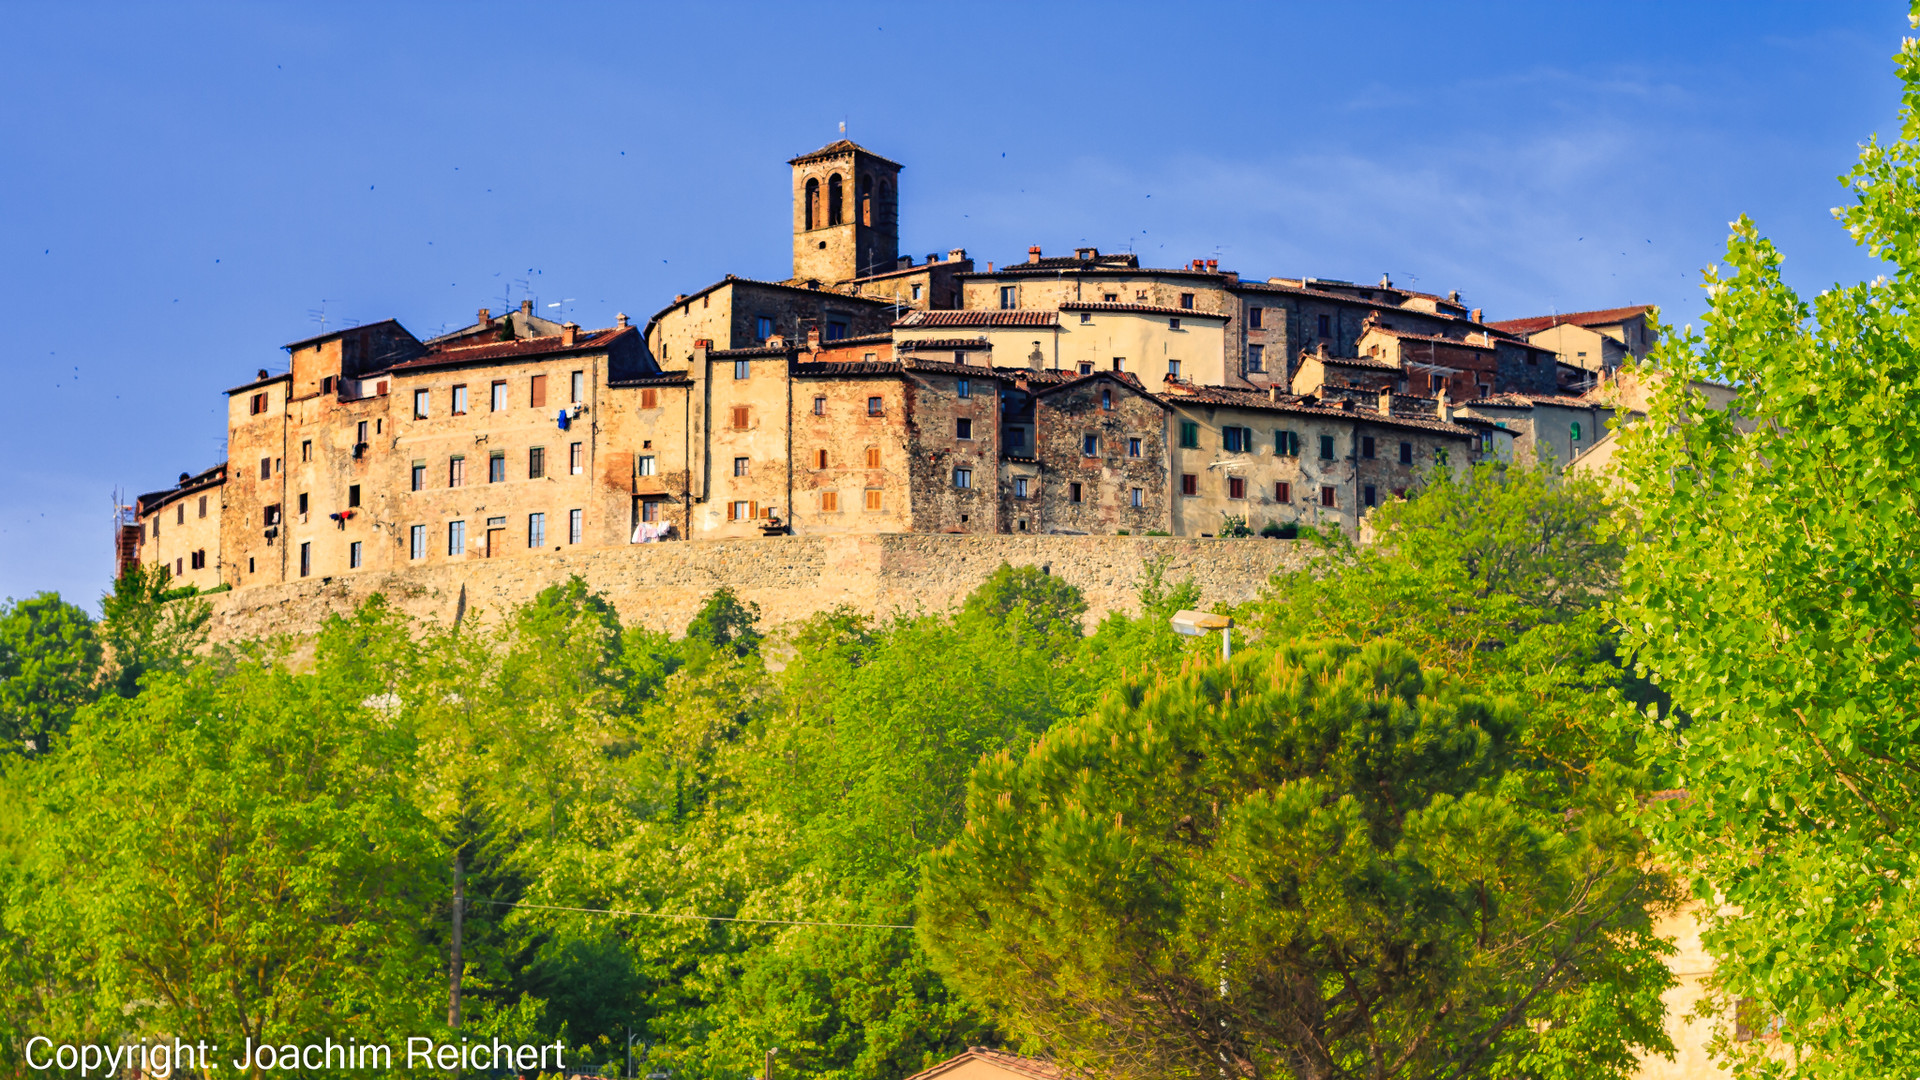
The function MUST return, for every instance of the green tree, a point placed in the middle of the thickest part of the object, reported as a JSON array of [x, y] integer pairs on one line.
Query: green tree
[[49, 664], [148, 627], [725, 622], [1772, 592], [1300, 864]]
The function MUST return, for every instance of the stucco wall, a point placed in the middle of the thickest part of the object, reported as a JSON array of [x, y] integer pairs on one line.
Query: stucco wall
[[790, 577]]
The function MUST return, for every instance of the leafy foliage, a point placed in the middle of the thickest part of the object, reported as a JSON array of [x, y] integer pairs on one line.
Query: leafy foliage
[[1773, 595], [148, 627], [49, 661], [1300, 864]]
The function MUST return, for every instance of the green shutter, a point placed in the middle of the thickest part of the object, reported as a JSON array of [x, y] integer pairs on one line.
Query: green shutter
[[1189, 435]]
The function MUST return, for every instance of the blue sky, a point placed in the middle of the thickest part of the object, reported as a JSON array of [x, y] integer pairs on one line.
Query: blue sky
[[186, 187]]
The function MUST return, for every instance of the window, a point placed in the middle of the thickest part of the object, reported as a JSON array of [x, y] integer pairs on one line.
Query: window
[[1173, 368], [271, 516], [819, 406], [1236, 440], [576, 459], [1326, 496], [327, 384], [1009, 297], [1574, 431], [1486, 442], [1019, 487], [536, 530], [829, 501], [1089, 446], [497, 402], [306, 449], [740, 417], [1133, 447], [249, 564], [1326, 448], [353, 495], [1282, 492], [1189, 484], [198, 560], [420, 398], [353, 555], [496, 466], [963, 428], [266, 468], [1256, 357], [762, 327], [964, 388], [1086, 367], [306, 558], [360, 432], [873, 457], [1086, 317], [740, 510], [1189, 435], [578, 389], [959, 356], [419, 475], [1186, 300], [649, 399], [537, 392], [1253, 318], [1236, 487], [179, 569], [963, 478], [276, 464], [1074, 492], [643, 465], [650, 510], [203, 501], [1106, 400], [742, 369], [1110, 298], [1437, 382], [916, 292], [1173, 324], [456, 471], [836, 330], [1137, 498], [456, 537], [576, 525], [180, 513], [417, 542], [1406, 453], [1326, 326], [258, 405], [739, 466], [459, 400], [1366, 446], [536, 462], [303, 506], [874, 407], [1369, 495]]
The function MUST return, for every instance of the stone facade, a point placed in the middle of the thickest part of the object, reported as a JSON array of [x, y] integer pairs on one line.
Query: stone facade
[[662, 586]]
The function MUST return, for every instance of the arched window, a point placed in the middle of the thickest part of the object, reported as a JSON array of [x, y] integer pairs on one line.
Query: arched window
[[866, 201], [833, 199], [813, 202]]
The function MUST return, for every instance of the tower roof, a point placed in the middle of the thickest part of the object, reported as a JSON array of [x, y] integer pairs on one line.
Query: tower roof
[[841, 148]]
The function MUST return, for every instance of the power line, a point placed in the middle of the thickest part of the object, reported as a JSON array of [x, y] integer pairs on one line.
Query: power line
[[702, 918]]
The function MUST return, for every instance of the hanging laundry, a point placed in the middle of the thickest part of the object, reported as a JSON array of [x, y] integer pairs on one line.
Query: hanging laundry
[[564, 419]]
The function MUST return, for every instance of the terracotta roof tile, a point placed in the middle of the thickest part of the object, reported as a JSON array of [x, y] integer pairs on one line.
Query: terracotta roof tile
[[918, 319], [836, 149], [454, 354], [1602, 317], [1146, 309], [1287, 403], [943, 343]]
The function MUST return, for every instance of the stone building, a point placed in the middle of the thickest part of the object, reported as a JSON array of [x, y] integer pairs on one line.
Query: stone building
[[865, 393], [1590, 345]]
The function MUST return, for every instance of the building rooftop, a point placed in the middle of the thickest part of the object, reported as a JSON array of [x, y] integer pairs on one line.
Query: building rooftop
[[918, 319], [1602, 317]]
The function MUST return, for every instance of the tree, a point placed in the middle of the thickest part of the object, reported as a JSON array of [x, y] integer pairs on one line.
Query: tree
[[148, 627], [49, 663], [724, 622], [1772, 593], [1300, 864]]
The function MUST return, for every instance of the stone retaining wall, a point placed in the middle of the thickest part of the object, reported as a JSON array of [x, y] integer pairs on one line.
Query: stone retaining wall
[[790, 577]]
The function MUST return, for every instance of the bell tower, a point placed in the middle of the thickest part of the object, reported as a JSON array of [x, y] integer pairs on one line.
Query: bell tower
[[846, 221]]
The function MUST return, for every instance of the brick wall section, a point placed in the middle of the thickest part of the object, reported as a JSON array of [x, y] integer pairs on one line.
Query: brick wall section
[[663, 585], [1063, 418]]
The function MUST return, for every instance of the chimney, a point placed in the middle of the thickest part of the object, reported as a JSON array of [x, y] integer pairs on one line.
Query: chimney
[[184, 477], [621, 320], [813, 338], [569, 335], [1086, 254], [486, 316], [957, 254], [526, 307], [263, 373], [1386, 281], [1386, 401], [1443, 405], [1273, 392], [904, 261], [989, 266], [1033, 254], [774, 341], [1476, 314], [1213, 266], [1321, 351]]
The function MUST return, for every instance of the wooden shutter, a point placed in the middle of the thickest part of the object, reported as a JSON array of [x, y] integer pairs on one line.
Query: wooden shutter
[[822, 459], [739, 416], [537, 392], [649, 399], [829, 501], [873, 498], [873, 457]]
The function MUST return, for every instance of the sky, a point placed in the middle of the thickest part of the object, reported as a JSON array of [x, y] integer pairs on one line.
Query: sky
[[186, 187]]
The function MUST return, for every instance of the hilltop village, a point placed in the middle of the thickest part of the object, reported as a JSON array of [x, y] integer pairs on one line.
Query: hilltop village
[[870, 392]]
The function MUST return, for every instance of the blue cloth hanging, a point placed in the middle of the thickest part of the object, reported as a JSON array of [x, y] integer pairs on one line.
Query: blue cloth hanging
[[564, 420]]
